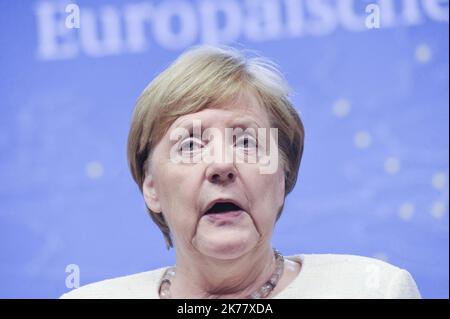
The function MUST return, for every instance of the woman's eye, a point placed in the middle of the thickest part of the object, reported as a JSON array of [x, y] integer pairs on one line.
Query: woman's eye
[[246, 142], [191, 144]]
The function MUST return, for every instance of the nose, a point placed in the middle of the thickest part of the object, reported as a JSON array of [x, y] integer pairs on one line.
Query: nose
[[221, 173]]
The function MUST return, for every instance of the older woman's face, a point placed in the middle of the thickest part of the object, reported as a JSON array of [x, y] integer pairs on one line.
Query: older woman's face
[[219, 208]]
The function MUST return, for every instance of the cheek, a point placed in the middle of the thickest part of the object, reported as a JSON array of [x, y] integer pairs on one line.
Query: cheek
[[176, 187], [266, 193]]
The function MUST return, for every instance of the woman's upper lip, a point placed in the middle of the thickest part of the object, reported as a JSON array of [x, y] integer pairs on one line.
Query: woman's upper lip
[[223, 200]]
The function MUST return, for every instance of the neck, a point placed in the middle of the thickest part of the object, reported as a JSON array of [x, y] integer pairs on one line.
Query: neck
[[199, 276]]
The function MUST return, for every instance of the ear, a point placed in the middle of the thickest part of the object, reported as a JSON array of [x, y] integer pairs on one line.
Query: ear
[[150, 194]]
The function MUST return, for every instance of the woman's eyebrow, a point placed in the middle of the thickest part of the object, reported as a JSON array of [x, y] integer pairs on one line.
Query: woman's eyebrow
[[243, 122], [246, 122]]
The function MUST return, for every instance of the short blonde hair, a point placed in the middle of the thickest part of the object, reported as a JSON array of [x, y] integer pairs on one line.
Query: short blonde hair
[[203, 77]]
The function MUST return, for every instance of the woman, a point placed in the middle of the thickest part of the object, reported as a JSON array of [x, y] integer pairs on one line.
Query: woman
[[215, 147]]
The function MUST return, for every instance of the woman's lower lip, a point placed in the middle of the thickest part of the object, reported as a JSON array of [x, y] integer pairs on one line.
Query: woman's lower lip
[[225, 216]]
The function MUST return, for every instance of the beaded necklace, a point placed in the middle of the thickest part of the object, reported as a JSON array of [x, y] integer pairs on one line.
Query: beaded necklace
[[262, 292]]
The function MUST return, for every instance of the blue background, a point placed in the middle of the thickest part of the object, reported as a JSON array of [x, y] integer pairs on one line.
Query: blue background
[[373, 179]]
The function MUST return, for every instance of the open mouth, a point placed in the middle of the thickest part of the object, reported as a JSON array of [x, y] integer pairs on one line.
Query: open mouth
[[221, 208]]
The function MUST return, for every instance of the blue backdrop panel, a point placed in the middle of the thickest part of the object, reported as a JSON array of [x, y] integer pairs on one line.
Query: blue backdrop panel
[[374, 100]]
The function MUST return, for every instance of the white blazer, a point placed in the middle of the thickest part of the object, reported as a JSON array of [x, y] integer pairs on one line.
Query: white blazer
[[321, 276]]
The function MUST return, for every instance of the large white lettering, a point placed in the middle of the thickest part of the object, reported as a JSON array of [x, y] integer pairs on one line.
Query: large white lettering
[[177, 24]]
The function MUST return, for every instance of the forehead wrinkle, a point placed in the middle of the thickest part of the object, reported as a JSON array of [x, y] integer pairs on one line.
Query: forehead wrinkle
[[229, 120], [247, 104]]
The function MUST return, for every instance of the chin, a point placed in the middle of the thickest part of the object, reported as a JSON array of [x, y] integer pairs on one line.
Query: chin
[[227, 248]]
